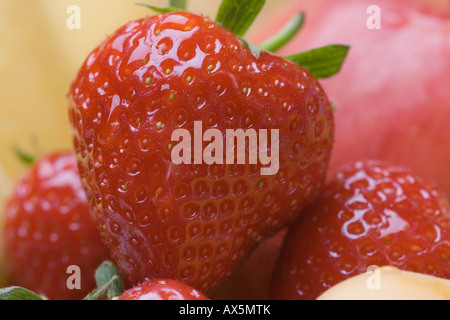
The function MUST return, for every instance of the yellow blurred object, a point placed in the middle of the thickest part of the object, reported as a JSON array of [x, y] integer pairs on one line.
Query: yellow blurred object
[[5, 189], [389, 283]]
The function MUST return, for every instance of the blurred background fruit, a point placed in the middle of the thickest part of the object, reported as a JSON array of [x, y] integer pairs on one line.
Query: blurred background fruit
[[392, 95], [48, 227]]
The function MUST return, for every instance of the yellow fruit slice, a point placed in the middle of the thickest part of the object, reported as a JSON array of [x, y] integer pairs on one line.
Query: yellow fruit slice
[[389, 283]]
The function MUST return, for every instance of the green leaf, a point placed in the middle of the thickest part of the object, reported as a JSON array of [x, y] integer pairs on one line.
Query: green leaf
[[180, 4], [286, 34], [238, 15], [109, 282], [26, 158], [102, 293], [104, 274], [323, 62], [18, 293], [159, 9]]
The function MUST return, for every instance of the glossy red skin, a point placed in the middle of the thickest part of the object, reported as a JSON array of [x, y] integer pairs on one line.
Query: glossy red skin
[[371, 213], [162, 290], [192, 223], [48, 227], [392, 97]]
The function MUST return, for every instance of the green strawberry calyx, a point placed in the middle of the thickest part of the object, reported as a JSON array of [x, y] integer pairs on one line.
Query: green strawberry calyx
[[18, 293], [109, 283], [107, 277], [238, 15]]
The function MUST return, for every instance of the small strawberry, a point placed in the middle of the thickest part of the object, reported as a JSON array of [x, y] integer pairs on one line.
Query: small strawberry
[[48, 228], [195, 222], [162, 290], [371, 213]]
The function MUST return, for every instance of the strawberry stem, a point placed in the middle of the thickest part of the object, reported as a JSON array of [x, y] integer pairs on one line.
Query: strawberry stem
[[286, 34], [180, 4], [23, 156], [159, 9], [322, 62], [238, 15]]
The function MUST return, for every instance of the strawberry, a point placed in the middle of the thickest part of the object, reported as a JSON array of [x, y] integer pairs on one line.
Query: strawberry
[[371, 213], [162, 290], [193, 222], [48, 228]]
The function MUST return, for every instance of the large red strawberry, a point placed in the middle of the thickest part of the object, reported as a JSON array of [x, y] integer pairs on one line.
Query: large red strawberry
[[48, 228], [371, 213], [162, 290], [193, 222], [392, 96]]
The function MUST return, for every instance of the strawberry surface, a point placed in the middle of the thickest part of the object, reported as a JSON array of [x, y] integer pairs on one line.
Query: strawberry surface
[[162, 290], [48, 228], [371, 213], [193, 223]]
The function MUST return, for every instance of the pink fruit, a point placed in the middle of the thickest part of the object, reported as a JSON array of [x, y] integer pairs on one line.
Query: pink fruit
[[392, 94]]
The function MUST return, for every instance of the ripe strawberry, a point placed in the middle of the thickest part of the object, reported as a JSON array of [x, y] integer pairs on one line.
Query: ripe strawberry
[[162, 290], [48, 227], [371, 213], [193, 223], [392, 94]]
